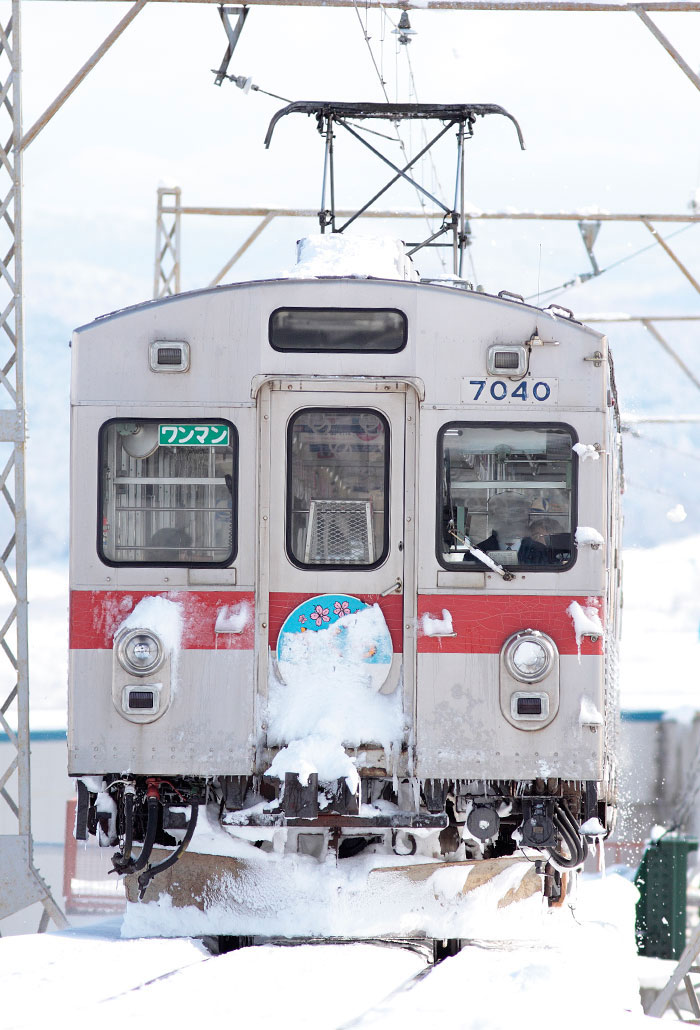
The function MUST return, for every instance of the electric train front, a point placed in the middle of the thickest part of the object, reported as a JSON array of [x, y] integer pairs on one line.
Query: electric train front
[[349, 607]]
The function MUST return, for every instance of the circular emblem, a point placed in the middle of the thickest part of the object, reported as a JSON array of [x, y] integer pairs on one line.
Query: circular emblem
[[355, 634]]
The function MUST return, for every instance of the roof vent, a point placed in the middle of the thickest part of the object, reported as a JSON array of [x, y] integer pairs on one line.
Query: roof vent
[[169, 356]]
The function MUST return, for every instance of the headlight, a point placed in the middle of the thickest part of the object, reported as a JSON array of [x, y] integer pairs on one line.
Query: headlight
[[140, 652], [529, 655]]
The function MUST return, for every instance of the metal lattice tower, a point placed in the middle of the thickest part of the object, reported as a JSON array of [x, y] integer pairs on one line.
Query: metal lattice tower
[[166, 281], [20, 883]]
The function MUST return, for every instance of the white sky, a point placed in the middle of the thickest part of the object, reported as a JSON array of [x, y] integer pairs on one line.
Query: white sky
[[609, 122]]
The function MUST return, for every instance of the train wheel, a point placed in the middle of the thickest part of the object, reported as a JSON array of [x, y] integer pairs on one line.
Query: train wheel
[[232, 942], [443, 949]]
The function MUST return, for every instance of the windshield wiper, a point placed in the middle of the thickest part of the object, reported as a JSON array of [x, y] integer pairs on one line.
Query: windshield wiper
[[480, 555]]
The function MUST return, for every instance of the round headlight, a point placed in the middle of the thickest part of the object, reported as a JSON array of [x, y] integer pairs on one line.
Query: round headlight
[[140, 652], [529, 656]]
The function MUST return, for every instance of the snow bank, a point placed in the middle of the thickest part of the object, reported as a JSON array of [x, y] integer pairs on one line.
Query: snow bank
[[365, 896], [589, 941], [382, 257], [519, 958]]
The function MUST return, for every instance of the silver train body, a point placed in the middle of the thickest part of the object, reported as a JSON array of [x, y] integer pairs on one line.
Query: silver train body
[[245, 451]]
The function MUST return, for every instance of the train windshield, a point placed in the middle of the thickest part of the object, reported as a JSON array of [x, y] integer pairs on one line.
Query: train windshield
[[337, 487], [167, 492], [508, 490]]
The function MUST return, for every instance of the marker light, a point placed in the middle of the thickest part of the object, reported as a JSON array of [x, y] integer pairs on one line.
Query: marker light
[[529, 655], [140, 652], [507, 360]]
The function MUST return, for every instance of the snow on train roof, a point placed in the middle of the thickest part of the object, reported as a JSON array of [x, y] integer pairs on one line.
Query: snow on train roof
[[376, 259], [381, 257]]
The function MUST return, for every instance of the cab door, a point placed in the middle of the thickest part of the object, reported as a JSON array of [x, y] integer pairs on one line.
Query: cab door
[[336, 511]]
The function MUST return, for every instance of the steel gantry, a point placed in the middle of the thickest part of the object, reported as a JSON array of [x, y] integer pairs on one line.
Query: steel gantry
[[20, 883], [170, 211]]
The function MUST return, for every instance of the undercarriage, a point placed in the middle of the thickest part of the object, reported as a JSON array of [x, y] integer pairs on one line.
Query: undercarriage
[[151, 821]]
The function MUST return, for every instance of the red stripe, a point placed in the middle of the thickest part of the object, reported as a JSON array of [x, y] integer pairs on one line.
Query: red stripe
[[95, 615], [482, 624], [281, 604]]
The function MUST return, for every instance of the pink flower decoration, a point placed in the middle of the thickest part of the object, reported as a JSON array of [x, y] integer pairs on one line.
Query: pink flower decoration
[[341, 608], [320, 615], [302, 618]]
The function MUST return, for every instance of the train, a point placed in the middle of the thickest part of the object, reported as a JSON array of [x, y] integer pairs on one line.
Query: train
[[344, 576]]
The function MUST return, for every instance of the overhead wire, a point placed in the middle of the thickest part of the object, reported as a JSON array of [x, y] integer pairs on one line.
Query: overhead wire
[[557, 291], [693, 456], [382, 82], [435, 183]]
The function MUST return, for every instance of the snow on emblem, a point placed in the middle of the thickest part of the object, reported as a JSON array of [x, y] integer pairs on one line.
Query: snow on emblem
[[357, 633]]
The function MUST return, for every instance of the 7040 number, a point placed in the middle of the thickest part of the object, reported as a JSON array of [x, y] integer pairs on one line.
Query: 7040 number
[[499, 390]]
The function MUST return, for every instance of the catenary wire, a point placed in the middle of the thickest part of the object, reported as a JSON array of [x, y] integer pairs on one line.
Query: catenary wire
[[557, 291], [662, 446], [382, 83]]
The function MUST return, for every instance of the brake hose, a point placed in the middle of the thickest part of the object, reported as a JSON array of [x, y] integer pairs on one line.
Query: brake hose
[[569, 830], [122, 859], [575, 829], [134, 865], [153, 870]]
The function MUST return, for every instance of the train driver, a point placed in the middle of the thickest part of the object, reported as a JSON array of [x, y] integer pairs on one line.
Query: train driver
[[509, 521]]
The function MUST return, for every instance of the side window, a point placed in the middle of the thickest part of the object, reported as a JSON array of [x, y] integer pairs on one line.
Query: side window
[[337, 487], [508, 490], [167, 492]]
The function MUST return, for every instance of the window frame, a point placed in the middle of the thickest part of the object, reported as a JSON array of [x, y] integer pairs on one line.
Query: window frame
[[491, 424], [115, 564], [338, 350], [288, 513]]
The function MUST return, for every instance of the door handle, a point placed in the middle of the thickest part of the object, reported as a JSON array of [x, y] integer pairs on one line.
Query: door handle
[[395, 588]]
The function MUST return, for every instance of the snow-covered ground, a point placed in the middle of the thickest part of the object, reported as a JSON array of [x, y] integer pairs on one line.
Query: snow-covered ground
[[576, 965]]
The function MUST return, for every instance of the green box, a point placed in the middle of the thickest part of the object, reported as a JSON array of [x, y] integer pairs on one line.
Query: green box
[[661, 880]]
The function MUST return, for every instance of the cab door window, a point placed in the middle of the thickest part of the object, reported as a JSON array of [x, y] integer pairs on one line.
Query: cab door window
[[167, 492], [338, 488]]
